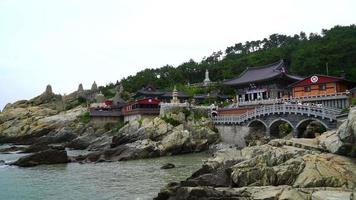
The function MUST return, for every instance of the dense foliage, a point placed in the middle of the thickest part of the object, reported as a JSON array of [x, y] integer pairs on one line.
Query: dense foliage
[[335, 48]]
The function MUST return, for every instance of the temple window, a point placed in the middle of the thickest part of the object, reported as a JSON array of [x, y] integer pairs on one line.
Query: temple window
[[307, 89], [322, 87]]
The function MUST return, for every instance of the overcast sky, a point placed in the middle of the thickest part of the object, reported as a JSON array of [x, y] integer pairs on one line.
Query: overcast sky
[[67, 42]]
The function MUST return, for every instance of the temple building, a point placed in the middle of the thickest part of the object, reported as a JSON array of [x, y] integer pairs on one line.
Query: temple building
[[325, 90], [317, 85], [265, 82], [353, 92], [147, 108], [148, 91], [108, 110]]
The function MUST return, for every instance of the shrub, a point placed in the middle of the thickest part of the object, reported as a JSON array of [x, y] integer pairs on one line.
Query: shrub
[[171, 121], [353, 101], [284, 129], [85, 118]]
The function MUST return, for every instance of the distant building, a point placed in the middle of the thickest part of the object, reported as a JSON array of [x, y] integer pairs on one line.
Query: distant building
[[316, 85], [265, 82], [353, 92], [147, 107], [149, 91], [326, 90]]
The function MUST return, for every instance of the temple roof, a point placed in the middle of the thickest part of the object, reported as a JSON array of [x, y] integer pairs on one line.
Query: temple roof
[[353, 90], [319, 78], [149, 90], [262, 73]]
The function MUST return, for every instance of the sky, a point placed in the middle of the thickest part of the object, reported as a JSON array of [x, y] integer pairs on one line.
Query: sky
[[67, 42]]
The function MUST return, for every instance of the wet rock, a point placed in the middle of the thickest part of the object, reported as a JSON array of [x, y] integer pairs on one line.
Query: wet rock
[[50, 156], [168, 166]]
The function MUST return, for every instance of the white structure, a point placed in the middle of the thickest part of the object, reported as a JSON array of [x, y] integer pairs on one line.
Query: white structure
[[207, 79]]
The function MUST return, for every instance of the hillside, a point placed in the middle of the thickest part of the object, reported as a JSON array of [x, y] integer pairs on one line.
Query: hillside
[[304, 54]]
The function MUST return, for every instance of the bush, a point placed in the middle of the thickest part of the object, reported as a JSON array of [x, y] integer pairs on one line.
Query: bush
[[284, 129], [85, 118], [82, 100], [171, 121], [353, 101]]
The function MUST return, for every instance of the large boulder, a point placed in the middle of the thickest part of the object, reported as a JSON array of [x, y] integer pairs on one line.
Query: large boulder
[[49, 156], [343, 140]]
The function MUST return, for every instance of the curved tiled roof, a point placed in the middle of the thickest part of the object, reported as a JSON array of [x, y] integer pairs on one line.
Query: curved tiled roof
[[255, 74]]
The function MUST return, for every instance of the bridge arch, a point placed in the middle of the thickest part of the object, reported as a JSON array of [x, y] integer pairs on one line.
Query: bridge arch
[[258, 125], [302, 126], [274, 127]]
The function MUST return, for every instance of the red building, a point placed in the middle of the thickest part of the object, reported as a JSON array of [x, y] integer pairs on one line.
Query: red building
[[318, 85], [147, 107]]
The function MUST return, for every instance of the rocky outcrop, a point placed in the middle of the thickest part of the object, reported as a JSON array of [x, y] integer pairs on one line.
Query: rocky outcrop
[[277, 170], [49, 156], [21, 124], [155, 137], [343, 140]]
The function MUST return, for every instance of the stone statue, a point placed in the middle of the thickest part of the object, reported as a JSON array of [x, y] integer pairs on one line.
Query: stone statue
[[48, 90], [99, 98], [175, 96], [94, 87], [80, 88], [207, 79]]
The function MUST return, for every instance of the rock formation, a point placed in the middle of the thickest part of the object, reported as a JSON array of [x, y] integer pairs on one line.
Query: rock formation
[[156, 137], [343, 140], [281, 169], [50, 156], [277, 170]]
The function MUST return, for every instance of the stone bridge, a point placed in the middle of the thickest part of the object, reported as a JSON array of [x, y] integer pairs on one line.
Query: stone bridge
[[271, 116]]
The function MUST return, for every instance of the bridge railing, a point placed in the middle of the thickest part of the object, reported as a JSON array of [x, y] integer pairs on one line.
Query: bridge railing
[[311, 111]]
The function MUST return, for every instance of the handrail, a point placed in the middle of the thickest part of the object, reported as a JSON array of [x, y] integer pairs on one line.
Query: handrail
[[322, 112], [301, 98]]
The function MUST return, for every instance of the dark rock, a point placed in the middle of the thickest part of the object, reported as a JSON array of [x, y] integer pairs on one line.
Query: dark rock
[[11, 149], [78, 144], [168, 166], [64, 135], [2, 162], [37, 147], [50, 156]]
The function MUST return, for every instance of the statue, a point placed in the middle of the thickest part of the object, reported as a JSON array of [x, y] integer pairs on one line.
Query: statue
[[94, 87], [175, 99], [207, 79], [48, 90], [80, 88]]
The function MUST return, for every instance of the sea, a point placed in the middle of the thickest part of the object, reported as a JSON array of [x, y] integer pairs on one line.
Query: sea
[[131, 180]]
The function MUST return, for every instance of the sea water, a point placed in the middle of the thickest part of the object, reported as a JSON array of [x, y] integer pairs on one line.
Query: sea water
[[139, 179]]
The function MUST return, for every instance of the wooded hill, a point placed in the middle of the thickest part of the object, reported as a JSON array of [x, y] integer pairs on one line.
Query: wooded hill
[[304, 55]]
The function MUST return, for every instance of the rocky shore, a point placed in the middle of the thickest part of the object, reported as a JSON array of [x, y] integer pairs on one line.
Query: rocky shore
[[320, 168], [45, 129]]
